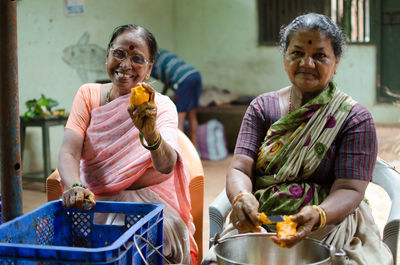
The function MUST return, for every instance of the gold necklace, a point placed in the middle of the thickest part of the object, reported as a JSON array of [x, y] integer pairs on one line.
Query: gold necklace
[[108, 96], [290, 100]]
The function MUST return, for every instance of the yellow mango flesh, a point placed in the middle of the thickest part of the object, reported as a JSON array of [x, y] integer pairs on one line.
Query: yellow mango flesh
[[139, 95], [264, 219], [286, 228]]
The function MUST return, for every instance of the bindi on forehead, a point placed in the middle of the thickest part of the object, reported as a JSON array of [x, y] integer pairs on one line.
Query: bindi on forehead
[[131, 47]]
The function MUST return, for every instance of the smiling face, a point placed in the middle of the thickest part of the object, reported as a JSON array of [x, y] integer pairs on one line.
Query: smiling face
[[126, 73], [310, 62]]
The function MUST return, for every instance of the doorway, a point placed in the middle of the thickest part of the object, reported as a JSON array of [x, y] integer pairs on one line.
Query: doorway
[[389, 85]]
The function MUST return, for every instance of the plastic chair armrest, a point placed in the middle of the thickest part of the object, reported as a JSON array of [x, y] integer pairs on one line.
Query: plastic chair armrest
[[389, 179], [218, 211]]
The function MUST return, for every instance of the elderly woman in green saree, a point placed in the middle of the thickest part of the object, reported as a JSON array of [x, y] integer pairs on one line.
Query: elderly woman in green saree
[[308, 150]]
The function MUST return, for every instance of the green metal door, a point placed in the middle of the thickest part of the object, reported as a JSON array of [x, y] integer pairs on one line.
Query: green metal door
[[390, 51]]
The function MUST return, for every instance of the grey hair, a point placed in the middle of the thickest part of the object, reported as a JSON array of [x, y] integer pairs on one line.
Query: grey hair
[[148, 36], [318, 22]]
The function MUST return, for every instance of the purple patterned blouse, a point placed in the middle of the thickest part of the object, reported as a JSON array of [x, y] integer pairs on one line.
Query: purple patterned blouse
[[352, 154]]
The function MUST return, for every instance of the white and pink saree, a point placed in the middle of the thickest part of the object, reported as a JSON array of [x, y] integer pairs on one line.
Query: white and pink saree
[[113, 159]]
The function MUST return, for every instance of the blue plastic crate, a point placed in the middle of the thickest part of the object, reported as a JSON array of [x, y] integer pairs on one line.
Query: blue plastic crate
[[54, 234]]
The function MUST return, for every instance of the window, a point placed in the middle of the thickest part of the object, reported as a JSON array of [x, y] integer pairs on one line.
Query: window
[[352, 15]]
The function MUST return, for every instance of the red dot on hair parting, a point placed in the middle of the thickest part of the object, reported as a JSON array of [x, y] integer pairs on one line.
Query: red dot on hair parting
[[131, 47]]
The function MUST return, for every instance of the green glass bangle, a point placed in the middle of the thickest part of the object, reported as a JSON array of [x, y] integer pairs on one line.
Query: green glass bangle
[[151, 147], [77, 185]]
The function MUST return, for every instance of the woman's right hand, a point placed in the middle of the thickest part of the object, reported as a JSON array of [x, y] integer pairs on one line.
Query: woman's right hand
[[144, 116], [78, 197], [245, 216]]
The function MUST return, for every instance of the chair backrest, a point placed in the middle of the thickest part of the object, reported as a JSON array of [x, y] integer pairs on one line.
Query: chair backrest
[[196, 187]]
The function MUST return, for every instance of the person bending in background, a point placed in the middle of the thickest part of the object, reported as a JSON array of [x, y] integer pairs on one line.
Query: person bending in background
[[185, 80], [103, 151]]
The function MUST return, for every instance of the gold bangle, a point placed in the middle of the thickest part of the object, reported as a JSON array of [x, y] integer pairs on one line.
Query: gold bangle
[[238, 196], [151, 147], [322, 216]]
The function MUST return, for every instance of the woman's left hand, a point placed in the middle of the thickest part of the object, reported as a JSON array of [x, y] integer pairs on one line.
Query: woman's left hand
[[144, 116], [306, 220]]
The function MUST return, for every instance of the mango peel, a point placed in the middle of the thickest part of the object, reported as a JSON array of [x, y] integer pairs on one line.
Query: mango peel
[[139, 95]]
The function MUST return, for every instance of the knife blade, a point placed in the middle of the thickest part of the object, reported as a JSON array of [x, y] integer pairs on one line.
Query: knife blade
[[272, 219]]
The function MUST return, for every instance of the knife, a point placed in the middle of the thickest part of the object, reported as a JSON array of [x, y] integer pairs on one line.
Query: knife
[[272, 219]]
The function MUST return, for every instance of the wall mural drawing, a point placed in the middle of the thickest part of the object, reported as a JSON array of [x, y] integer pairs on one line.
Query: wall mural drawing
[[85, 58]]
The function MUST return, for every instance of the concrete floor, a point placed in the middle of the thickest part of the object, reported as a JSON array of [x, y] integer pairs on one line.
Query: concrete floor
[[389, 150]]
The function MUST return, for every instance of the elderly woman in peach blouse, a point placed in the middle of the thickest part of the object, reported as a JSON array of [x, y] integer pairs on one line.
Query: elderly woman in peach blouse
[[120, 152]]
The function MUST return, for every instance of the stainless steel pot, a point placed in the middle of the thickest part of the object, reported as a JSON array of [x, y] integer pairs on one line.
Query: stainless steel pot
[[257, 248]]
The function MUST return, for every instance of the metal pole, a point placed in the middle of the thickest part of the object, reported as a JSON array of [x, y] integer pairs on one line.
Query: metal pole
[[10, 153]]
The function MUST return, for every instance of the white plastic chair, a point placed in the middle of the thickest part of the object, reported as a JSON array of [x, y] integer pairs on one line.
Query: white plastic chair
[[384, 175]]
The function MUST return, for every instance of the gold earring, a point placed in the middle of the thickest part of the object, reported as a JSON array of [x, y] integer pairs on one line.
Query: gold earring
[[147, 76], [106, 63]]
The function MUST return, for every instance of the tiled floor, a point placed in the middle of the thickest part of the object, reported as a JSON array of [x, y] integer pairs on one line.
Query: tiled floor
[[389, 150]]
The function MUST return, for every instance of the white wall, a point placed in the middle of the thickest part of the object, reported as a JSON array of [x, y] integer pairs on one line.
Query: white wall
[[44, 31], [221, 39]]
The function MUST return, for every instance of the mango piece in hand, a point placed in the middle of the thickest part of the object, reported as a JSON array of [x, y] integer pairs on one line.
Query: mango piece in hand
[[139, 95], [286, 228]]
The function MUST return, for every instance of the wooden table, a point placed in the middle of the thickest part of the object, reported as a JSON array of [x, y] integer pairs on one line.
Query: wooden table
[[44, 122]]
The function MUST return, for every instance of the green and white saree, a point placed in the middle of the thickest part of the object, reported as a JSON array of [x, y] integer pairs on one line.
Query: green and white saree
[[290, 153]]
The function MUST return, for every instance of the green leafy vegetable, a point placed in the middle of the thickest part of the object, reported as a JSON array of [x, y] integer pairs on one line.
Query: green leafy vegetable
[[42, 107]]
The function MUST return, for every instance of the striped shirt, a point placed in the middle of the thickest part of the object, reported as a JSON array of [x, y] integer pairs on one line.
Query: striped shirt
[[170, 69], [352, 154]]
